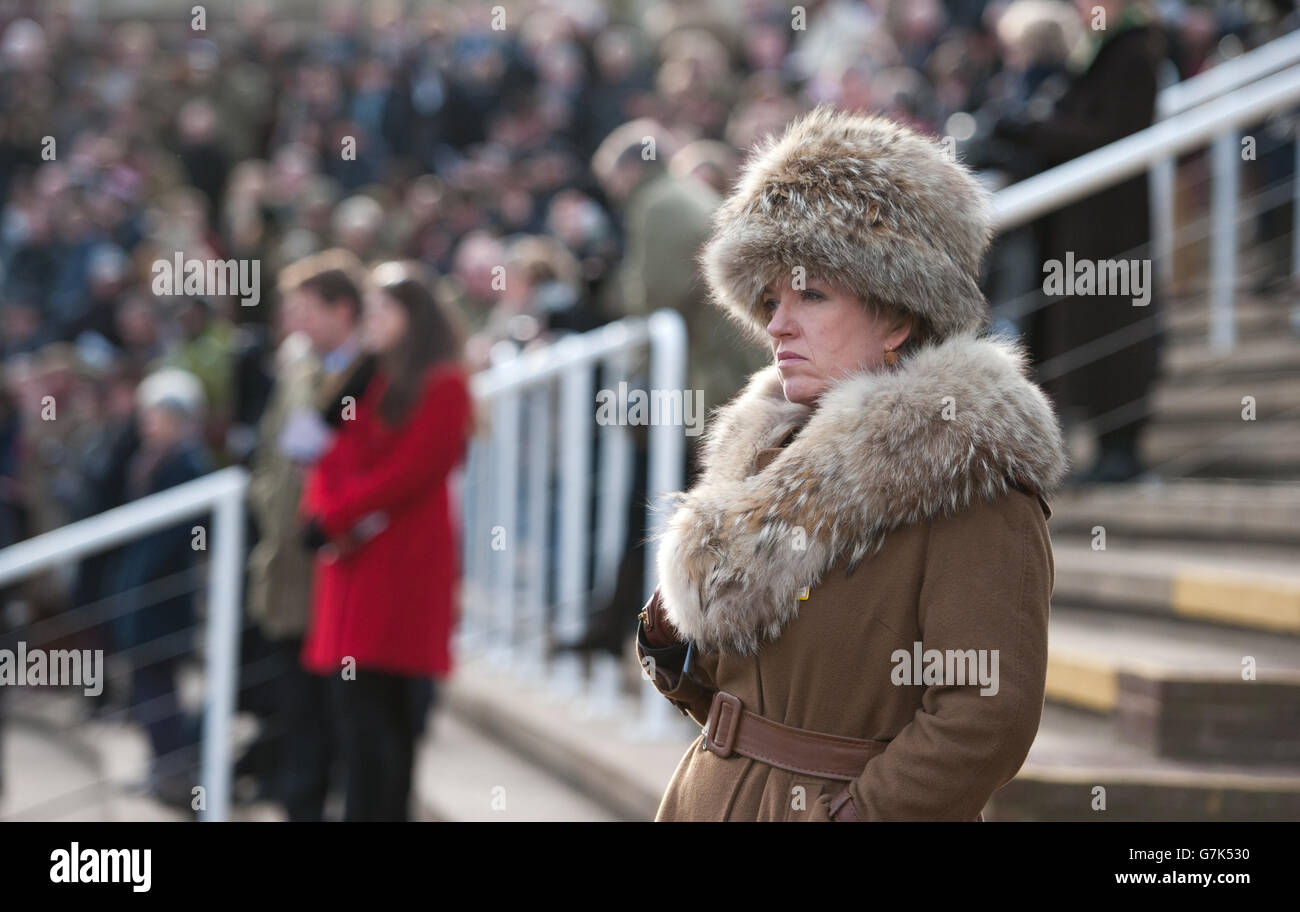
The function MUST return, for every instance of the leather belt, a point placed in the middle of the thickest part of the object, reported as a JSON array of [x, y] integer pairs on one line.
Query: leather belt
[[732, 729]]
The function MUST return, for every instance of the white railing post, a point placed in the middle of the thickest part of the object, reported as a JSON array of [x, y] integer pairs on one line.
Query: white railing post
[[1225, 156], [613, 487], [225, 588], [533, 648], [1162, 186], [503, 520], [577, 411], [665, 474], [476, 627]]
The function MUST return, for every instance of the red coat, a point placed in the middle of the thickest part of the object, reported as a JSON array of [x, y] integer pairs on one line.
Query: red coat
[[388, 604]]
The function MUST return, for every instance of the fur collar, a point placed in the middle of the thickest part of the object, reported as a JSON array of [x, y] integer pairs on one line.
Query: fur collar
[[880, 451]]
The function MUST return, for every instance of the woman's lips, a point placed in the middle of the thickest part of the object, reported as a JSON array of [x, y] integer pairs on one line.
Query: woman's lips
[[788, 358]]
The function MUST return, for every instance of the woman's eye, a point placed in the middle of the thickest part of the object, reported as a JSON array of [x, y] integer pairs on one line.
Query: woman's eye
[[813, 295], [769, 305]]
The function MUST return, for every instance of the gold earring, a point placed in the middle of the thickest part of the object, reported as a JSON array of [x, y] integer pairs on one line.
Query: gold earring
[[891, 357]]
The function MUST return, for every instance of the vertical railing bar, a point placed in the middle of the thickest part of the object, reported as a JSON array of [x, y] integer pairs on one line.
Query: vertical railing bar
[[664, 475], [225, 588], [577, 418], [503, 529], [1225, 156], [614, 483], [533, 645]]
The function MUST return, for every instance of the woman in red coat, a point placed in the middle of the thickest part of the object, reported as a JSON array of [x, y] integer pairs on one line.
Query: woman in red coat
[[377, 508]]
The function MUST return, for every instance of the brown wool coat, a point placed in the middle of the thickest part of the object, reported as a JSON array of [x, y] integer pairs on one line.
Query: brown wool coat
[[914, 527]]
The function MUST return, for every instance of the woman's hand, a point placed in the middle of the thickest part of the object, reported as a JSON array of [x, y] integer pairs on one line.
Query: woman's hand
[[658, 631], [313, 535]]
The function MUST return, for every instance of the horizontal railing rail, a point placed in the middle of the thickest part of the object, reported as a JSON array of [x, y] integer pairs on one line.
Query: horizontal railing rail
[[1217, 122], [221, 493]]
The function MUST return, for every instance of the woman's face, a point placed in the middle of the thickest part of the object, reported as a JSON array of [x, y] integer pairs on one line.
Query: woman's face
[[821, 334], [384, 323]]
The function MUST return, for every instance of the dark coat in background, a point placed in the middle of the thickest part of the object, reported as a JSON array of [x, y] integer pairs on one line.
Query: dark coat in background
[[1114, 98], [156, 576]]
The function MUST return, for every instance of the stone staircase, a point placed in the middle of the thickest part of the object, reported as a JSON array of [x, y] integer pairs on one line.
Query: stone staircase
[[1148, 712], [1197, 427], [1173, 688]]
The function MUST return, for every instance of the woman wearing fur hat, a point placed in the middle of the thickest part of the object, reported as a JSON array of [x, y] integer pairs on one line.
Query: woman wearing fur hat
[[854, 595]]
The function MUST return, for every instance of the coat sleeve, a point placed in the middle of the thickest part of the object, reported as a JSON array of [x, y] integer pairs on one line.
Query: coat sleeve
[[987, 584], [423, 454], [691, 693]]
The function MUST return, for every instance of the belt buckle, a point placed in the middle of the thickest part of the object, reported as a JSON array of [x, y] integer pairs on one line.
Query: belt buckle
[[724, 717]]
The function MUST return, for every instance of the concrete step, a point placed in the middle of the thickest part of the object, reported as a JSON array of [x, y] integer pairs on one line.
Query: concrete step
[[1179, 688], [46, 777], [91, 768], [464, 775], [1074, 752], [1183, 509], [1273, 355], [1247, 587], [608, 758], [1268, 447], [1219, 400], [1254, 317], [1078, 760]]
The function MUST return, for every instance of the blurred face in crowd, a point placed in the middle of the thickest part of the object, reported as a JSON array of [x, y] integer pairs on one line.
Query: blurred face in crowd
[[821, 333], [137, 323], [161, 426], [192, 318], [384, 323], [327, 324]]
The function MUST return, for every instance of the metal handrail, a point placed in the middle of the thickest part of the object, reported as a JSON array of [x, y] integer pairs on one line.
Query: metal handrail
[[1229, 75], [1217, 122], [1080, 177], [517, 393], [222, 493]]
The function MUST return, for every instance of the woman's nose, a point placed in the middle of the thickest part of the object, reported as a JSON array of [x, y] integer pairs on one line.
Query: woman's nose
[[779, 324]]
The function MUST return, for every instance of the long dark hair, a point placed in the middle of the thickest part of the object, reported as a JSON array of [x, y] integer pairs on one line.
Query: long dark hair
[[433, 337]]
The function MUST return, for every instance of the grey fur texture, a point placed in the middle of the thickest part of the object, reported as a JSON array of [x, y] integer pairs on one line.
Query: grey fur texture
[[880, 450], [862, 202]]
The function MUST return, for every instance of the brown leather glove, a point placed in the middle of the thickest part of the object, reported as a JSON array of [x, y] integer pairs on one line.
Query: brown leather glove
[[658, 631], [842, 808]]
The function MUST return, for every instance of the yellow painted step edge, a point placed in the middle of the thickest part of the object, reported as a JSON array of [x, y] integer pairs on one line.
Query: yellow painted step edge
[[1081, 681], [1269, 605]]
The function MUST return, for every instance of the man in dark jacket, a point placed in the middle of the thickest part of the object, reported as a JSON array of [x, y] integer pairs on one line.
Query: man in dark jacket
[[1099, 353]]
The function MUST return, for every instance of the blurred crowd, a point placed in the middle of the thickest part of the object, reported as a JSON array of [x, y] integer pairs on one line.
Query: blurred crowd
[[500, 145], [418, 130]]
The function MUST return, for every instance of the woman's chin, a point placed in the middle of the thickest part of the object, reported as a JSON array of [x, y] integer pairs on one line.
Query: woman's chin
[[800, 390]]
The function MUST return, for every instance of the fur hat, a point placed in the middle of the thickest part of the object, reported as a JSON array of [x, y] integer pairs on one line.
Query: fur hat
[[859, 201]]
